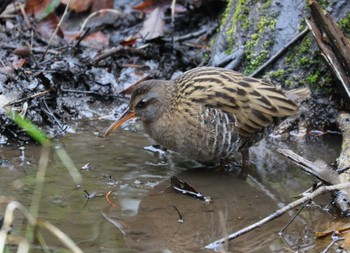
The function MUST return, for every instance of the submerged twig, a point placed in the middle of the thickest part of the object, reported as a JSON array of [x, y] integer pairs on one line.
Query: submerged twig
[[328, 178], [278, 213], [326, 175], [335, 238], [180, 220]]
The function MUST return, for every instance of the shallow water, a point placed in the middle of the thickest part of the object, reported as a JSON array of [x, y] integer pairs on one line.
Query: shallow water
[[142, 202]]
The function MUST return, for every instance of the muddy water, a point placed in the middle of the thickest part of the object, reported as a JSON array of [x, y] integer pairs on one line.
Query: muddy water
[[141, 216]]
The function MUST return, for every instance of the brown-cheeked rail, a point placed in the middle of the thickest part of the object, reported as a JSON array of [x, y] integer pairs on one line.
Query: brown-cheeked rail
[[208, 114]]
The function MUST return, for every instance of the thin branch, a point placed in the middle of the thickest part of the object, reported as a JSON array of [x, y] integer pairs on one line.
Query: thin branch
[[56, 30], [39, 94], [329, 178], [278, 213], [94, 14], [281, 52], [121, 51]]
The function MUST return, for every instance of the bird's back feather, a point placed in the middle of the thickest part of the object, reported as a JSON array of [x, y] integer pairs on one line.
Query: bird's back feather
[[252, 102]]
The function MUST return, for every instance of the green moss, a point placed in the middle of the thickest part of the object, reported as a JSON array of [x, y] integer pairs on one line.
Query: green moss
[[266, 4], [305, 45], [313, 78], [288, 83], [243, 16], [238, 7], [344, 25], [264, 25], [256, 61], [277, 74], [297, 56]]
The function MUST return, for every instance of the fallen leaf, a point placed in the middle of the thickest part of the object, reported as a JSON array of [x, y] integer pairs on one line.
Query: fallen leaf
[[21, 51], [97, 40], [185, 188], [153, 26], [102, 4], [145, 4], [129, 42], [336, 226], [19, 63], [47, 26], [340, 228], [78, 5], [42, 8]]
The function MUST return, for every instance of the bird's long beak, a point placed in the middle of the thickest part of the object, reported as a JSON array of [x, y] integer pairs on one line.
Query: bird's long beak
[[125, 117]]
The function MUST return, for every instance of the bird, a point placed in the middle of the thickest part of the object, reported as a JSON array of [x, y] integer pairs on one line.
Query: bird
[[209, 114]]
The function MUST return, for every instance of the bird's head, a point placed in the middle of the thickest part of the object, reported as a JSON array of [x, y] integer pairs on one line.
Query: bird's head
[[148, 101]]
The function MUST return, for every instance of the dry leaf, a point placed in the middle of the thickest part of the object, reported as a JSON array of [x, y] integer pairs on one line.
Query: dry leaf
[[78, 5], [47, 26], [22, 51], [335, 226], [145, 4], [128, 42], [97, 40], [102, 4], [153, 27], [340, 228], [40, 9], [17, 64]]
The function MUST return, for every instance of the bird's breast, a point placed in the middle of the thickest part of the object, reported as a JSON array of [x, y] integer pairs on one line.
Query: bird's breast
[[202, 134]]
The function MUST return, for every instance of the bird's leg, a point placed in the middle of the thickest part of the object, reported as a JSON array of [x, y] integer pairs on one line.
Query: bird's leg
[[221, 166], [245, 164], [245, 159]]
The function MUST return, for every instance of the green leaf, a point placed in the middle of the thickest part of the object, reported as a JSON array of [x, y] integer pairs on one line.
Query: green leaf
[[49, 9], [32, 130]]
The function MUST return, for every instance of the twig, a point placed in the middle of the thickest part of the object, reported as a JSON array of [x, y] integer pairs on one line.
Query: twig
[[333, 44], [94, 14], [89, 92], [34, 49], [52, 115], [335, 239], [326, 175], [278, 213], [56, 30], [108, 200], [39, 94], [21, 7], [180, 220], [310, 167], [280, 52], [3, 5], [82, 36], [120, 51], [186, 36], [173, 4]]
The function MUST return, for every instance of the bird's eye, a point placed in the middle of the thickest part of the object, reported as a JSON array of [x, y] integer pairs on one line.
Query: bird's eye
[[142, 104]]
